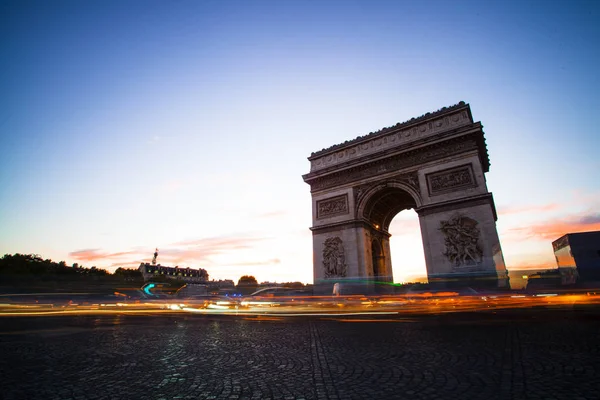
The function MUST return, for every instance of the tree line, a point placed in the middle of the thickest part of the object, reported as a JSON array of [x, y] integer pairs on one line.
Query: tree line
[[33, 266], [24, 267]]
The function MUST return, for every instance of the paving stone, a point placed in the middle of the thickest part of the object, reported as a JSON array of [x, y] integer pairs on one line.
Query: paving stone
[[509, 355]]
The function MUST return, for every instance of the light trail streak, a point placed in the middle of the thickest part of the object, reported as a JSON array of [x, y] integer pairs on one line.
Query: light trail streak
[[307, 306]]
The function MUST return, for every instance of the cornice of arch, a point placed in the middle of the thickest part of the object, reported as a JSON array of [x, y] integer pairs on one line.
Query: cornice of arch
[[411, 158]]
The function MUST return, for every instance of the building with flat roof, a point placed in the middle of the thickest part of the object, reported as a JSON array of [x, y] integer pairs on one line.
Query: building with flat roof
[[578, 256], [189, 275]]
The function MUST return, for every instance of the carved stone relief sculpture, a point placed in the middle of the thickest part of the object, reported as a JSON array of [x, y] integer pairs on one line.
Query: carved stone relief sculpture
[[333, 206], [450, 180], [334, 259], [462, 241]]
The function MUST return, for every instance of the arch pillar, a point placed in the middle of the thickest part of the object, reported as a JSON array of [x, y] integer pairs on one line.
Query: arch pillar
[[461, 243]]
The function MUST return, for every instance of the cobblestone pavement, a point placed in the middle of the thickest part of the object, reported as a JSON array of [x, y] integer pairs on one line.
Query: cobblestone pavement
[[518, 354]]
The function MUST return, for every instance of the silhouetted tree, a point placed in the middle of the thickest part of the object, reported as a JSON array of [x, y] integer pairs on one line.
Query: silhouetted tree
[[128, 274], [247, 284], [32, 266], [247, 280], [294, 285]]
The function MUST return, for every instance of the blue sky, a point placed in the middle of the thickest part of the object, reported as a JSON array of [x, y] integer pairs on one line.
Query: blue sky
[[186, 125]]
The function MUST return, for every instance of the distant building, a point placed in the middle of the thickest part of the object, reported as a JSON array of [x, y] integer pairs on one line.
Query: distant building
[[578, 256], [184, 274], [546, 280]]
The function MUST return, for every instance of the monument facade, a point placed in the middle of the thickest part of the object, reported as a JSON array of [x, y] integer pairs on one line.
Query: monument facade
[[434, 164]]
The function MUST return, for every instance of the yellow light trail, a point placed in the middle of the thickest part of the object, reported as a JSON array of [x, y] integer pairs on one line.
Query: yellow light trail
[[309, 306]]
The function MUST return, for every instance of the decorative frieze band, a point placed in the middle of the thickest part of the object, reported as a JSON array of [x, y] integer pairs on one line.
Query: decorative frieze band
[[382, 142], [401, 161], [451, 179], [456, 204], [332, 206]]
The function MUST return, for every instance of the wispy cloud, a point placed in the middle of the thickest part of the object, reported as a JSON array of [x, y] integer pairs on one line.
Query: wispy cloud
[[272, 261], [586, 197], [531, 266], [507, 210], [196, 252], [272, 214], [97, 254], [204, 250], [553, 229], [220, 242], [116, 265]]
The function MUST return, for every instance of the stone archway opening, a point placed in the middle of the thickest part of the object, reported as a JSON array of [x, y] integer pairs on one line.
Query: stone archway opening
[[406, 248], [385, 204], [378, 208]]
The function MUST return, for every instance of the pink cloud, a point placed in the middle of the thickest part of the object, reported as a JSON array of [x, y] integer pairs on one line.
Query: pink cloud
[[197, 252], [532, 266], [221, 242], [116, 265], [507, 210], [202, 250], [553, 229], [272, 261], [96, 254], [584, 197]]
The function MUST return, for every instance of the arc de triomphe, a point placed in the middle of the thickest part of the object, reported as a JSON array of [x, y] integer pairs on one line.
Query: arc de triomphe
[[434, 164]]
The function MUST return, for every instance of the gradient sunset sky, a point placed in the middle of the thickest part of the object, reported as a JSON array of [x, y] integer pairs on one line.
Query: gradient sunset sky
[[185, 125]]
